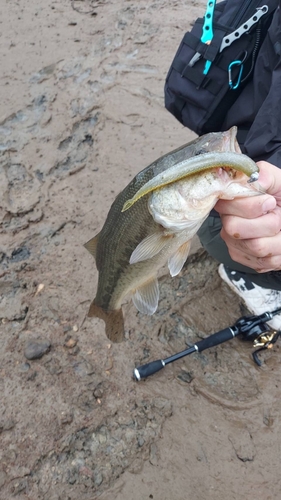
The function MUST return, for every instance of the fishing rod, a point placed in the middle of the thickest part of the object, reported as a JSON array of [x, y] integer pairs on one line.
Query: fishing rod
[[250, 327]]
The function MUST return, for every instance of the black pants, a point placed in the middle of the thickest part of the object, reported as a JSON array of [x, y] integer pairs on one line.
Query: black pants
[[209, 235]]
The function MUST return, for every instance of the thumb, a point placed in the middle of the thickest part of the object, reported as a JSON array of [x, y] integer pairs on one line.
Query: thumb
[[270, 179]]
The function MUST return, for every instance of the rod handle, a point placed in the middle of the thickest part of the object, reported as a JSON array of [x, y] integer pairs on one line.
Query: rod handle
[[148, 369], [217, 338]]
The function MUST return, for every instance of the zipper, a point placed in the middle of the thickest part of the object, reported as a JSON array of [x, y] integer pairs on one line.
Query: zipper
[[241, 13]]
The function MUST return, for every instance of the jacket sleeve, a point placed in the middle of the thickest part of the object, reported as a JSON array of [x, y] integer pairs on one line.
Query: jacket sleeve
[[258, 108]]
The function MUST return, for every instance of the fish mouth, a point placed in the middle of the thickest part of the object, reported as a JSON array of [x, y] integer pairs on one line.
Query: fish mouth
[[229, 161], [228, 172]]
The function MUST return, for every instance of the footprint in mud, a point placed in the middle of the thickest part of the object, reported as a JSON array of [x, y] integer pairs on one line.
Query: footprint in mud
[[20, 190], [17, 129], [75, 147]]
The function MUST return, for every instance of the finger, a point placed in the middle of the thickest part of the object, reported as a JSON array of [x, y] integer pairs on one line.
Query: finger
[[259, 264], [259, 253], [256, 247], [249, 208], [270, 179], [268, 225]]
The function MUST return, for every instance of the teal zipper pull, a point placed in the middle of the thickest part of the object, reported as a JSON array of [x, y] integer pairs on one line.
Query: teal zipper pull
[[207, 30]]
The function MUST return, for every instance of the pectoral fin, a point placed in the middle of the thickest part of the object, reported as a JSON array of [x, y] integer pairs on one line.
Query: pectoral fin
[[146, 297], [149, 247], [176, 261]]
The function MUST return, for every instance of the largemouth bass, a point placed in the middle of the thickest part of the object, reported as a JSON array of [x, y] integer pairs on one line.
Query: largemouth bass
[[152, 221]]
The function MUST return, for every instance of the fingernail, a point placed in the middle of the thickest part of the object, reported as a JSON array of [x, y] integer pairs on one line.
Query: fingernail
[[268, 204]]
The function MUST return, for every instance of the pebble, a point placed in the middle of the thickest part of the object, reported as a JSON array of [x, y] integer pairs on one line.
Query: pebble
[[141, 441], [186, 377], [36, 349], [98, 393], [70, 342], [24, 367]]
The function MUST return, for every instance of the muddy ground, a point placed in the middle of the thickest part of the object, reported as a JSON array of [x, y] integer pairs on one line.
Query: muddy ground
[[81, 113]]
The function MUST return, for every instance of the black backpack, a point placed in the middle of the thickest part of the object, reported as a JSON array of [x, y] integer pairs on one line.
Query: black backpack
[[215, 60]]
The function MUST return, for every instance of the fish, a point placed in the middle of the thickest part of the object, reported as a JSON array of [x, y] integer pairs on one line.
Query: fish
[[152, 221]]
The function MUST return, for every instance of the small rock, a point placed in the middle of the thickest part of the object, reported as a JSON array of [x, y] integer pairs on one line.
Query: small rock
[[102, 438], [185, 377], [98, 392], [141, 441], [40, 287], [36, 349], [70, 342], [24, 367]]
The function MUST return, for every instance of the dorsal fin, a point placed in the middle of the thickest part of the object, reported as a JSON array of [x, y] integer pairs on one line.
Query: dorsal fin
[[91, 245]]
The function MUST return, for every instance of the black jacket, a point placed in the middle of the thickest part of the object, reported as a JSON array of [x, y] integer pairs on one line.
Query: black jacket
[[257, 111]]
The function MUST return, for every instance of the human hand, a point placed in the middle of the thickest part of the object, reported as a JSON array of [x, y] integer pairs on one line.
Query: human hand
[[251, 226]]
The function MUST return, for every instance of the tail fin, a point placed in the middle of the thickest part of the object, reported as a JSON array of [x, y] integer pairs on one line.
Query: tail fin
[[114, 321]]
